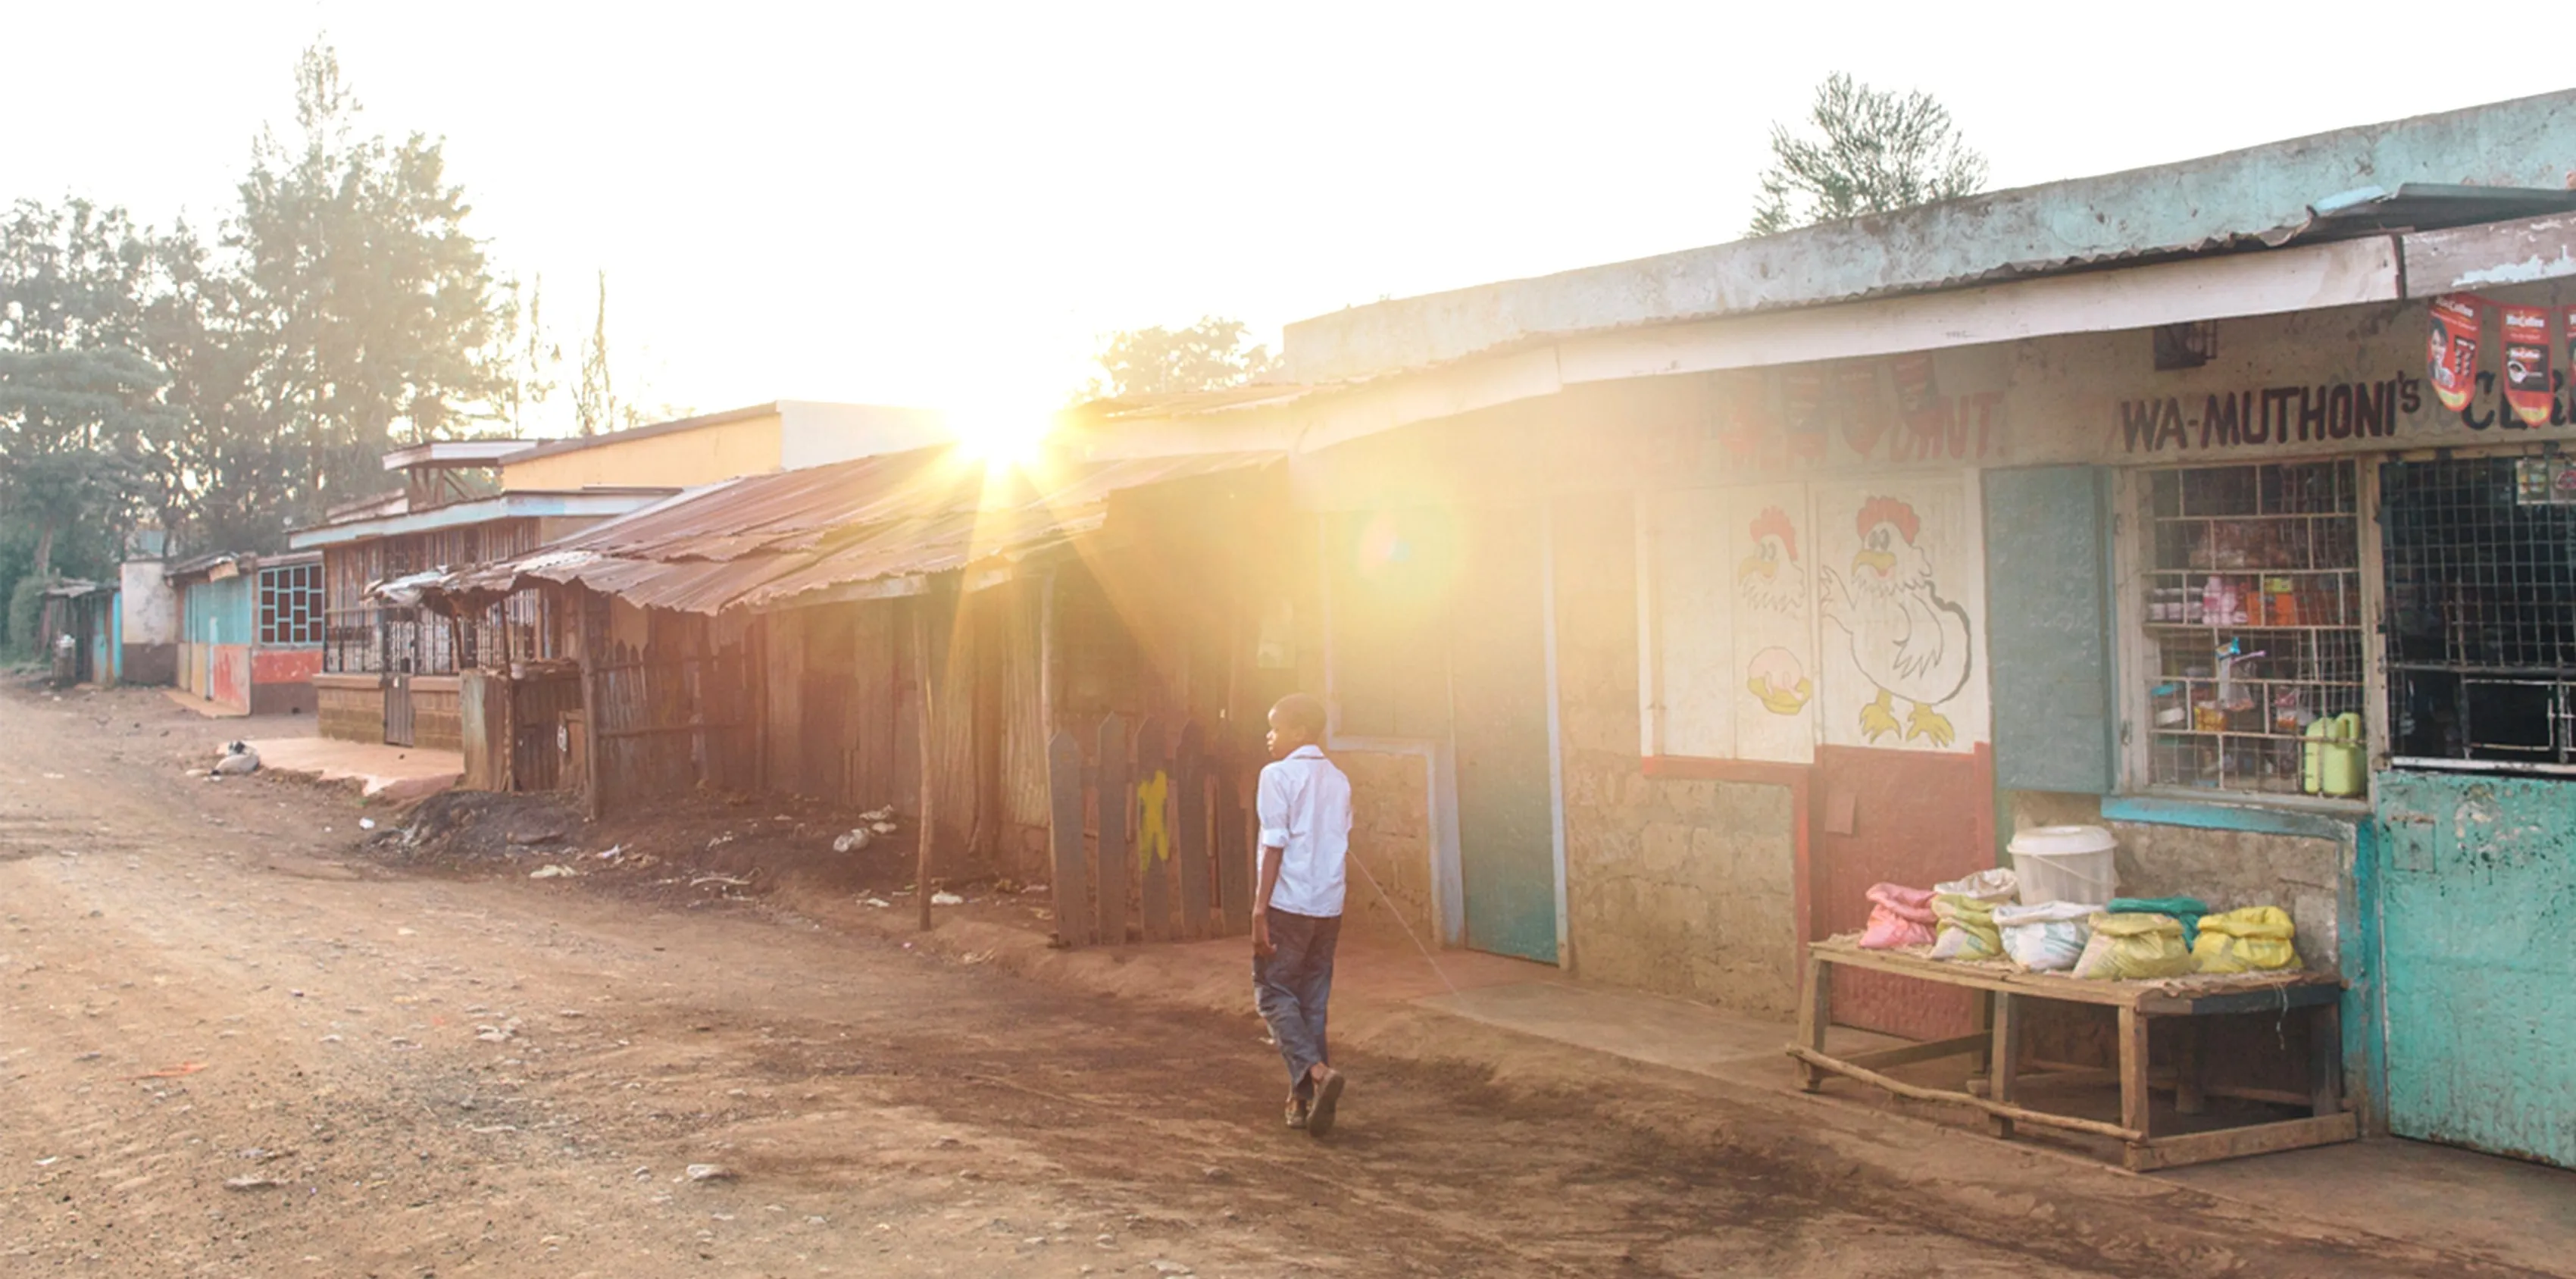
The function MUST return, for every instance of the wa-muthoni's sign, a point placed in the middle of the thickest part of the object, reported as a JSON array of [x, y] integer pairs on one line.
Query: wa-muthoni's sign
[[2272, 415], [2352, 380]]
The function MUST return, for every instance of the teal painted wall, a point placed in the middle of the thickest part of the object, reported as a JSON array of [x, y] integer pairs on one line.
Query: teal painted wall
[[2048, 635], [2477, 925], [219, 612]]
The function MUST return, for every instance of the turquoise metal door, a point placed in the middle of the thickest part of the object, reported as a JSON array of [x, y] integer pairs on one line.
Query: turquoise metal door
[[1498, 690], [2478, 943]]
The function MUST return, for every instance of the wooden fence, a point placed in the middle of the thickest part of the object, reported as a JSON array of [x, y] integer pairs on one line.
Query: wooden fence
[[1149, 831]]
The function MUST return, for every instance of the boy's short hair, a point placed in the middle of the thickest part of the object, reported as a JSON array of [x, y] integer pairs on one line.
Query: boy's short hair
[[1300, 713]]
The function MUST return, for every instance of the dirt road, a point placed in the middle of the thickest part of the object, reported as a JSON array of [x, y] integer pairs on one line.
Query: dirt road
[[233, 1044]]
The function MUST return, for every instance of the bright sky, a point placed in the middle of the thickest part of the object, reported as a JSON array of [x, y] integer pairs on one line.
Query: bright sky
[[950, 203]]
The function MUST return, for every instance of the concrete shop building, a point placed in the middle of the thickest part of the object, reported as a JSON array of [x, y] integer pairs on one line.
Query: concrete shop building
[[250, 630], [1703, 591]]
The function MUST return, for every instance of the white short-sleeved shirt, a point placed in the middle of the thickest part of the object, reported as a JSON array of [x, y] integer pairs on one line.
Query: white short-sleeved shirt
[[1305, 810]]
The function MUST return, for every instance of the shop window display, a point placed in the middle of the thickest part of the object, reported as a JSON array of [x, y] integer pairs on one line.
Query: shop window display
[[2252, 607]]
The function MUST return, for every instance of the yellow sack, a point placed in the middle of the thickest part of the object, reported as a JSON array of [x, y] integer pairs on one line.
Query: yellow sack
[[2255, 939], [1967, 928], [2134, 947]]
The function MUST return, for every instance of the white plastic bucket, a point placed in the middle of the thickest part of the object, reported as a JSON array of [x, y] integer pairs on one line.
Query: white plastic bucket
[[2065, 864]]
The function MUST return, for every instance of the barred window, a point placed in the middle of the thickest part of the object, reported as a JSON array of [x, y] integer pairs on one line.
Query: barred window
[[2480, 573], [290, 604], [2253, 619]]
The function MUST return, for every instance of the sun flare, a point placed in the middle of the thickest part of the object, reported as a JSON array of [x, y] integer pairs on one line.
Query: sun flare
[[1001, 435]]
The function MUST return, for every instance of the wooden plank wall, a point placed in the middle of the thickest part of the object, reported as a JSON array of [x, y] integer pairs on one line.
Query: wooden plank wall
[[672, 711], [1160, 873]]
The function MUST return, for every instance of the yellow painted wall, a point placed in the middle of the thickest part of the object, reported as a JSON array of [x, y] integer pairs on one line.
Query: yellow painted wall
[[719, 451]]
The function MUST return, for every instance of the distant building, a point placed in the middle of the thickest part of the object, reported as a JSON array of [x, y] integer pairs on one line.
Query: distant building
[[249, 628], [389, 671]]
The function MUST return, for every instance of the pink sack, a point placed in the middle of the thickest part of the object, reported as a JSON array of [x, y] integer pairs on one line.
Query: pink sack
[[1898, 917]]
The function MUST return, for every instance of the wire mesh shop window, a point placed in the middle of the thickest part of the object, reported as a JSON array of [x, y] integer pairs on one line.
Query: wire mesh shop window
[[2480, 562], [290, 604], [2253, 615]]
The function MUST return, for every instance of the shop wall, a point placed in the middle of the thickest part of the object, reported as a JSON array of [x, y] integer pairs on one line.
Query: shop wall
[[281, 680], [1391, 840], [1679, 886], [148, 619], [2479, 986], [228, 674], [2307, 875], [438, 716], [350, 708], [717, 451]]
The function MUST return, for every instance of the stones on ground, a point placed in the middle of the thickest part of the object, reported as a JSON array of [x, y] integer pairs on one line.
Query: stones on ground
[[553, 870], [252, 1182], [944, 898], [1162, 1267], [526, 838], [710, 1172], [852, 841]]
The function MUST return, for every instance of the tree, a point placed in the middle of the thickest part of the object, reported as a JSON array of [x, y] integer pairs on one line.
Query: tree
[[534, 360], [594, 403], [1206, 356], [1880, 151], [373, 312], [80, 414]]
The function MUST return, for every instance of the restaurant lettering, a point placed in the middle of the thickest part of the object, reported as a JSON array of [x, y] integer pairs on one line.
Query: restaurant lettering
[[2273, 415]]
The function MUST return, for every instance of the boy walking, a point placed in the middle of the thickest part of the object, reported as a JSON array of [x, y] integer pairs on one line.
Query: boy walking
[[1305, 811]]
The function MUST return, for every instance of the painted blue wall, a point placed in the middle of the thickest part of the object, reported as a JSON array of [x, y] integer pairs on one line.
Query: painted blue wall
[[220, 612], [2476, 879]]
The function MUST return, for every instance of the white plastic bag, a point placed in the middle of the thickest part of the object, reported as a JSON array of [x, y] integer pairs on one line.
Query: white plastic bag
[[1996, 885], [2047, 937]]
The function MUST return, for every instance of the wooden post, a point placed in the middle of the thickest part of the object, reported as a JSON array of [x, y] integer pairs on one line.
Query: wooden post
[[2135, 1100], [591, 639], [1815, 1013], [2006, 1062], [921, 673]]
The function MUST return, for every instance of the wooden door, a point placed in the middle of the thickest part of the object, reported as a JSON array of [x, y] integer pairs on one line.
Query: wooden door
[[398, 709]]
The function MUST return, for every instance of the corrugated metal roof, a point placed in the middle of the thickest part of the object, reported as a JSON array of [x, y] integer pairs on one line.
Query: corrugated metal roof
[[772, 541]]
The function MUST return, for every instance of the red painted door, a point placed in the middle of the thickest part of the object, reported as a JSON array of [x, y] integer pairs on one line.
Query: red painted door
[[1906, 817]]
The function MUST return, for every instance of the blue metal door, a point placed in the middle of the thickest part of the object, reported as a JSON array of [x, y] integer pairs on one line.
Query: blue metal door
[[1498, 691], [2478, 943]]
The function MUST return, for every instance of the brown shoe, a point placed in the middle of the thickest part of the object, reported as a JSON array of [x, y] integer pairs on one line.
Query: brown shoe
[[1297, 1112], [1328, 1093]]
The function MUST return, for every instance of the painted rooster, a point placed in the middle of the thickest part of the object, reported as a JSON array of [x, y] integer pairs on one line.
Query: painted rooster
[[1909, 641], [1769, 578]]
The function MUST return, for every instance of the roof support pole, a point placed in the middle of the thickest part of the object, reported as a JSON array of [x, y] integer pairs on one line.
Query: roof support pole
[[924, 827]]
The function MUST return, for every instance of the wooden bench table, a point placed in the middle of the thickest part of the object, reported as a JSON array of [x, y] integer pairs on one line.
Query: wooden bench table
[[1997, 1050]]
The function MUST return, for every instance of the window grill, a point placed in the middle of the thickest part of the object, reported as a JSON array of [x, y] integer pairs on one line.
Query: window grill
[[2480, 568], [2253, 615], [290, 605]]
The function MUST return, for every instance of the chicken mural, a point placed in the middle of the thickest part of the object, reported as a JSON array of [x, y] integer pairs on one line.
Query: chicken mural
[[1905, 638], [1769, 580]]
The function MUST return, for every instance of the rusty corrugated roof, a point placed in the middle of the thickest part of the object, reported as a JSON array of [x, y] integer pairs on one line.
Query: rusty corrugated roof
[[771, 541]]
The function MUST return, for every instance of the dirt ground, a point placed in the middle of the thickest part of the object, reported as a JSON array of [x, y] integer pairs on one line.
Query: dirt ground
[[240, 1035]]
